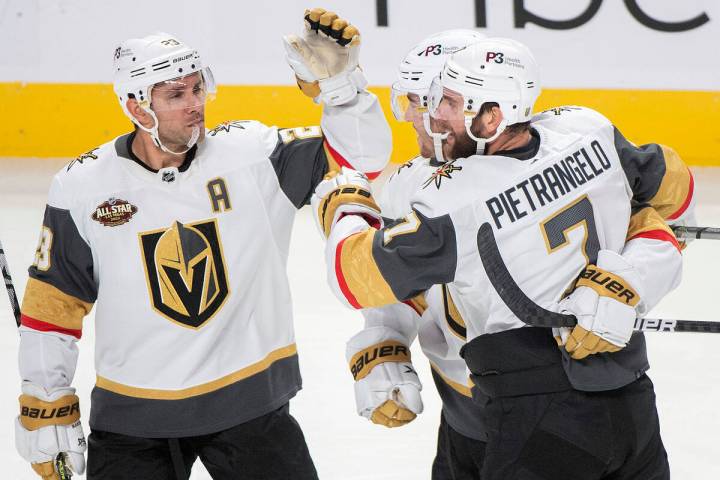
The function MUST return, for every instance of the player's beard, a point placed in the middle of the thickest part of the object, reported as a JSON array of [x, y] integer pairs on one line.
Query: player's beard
[[462, 146], [458, 144], [178, 136]]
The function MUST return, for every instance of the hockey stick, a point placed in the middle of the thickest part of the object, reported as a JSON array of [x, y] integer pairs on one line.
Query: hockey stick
[[699, 233], [64, 473], [534, 315], [9, 285]]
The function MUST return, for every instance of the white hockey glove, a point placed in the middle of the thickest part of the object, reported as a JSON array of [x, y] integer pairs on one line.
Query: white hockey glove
[[344, 193], [48, 425], [604, 302], [325, 60], [387, 388]]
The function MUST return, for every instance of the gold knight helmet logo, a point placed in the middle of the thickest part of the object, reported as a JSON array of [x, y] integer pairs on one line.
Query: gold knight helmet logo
[[185, 271]]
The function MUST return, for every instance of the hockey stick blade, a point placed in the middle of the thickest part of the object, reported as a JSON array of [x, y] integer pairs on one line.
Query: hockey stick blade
[[698, 233], [519, 304]]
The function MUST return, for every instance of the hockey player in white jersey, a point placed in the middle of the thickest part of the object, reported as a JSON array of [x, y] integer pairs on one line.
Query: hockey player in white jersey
[[179, 237], [387, 389], [557, 211]]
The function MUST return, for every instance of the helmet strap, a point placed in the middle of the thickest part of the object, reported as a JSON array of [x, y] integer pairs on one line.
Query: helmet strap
[[436, 137], [482, 142], [153, 131]]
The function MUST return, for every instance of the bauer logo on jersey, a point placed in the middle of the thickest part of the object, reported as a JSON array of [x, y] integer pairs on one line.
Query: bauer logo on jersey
[[185, 270], [114, 212]]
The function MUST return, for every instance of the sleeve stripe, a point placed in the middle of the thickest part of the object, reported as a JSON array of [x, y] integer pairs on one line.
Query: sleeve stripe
[[410, 304], [674, 190], [418, 303], [336, 161], [41, 326], [358, 275], [688, 198], [341, 278], [658, 235], [47, 303]]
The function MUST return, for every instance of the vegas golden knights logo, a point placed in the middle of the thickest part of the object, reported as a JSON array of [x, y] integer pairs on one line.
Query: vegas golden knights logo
[[185, 271]]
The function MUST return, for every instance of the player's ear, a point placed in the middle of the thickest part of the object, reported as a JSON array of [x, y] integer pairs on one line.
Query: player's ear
[[139, 113], [496, 117]]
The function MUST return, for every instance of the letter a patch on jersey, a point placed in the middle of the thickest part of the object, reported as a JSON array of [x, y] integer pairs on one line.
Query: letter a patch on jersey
[[185, 272]]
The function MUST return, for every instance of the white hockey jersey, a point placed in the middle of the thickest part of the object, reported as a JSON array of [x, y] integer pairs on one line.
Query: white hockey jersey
[[580, 188], [432, 316], [186, 268]]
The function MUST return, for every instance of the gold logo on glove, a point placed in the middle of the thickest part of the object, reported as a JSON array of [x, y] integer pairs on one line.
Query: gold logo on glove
[[608, 284], [364, 361]]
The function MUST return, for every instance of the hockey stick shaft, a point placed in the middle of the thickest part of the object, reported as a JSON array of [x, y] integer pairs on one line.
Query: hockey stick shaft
[[60, 464], [9, 287], [698, 233], [674, 325], [534, 315]]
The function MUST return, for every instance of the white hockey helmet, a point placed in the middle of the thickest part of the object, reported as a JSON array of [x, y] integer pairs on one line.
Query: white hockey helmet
[[497, 70], [141, 63], [423, 63]]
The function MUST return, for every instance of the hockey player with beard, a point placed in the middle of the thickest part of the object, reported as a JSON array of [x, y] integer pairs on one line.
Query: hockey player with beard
[[387, 389], [179, 237], [576, 215]]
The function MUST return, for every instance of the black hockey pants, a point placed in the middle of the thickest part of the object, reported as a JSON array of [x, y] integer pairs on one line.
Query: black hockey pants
[[540, 428], [458, 457], [268, 447]]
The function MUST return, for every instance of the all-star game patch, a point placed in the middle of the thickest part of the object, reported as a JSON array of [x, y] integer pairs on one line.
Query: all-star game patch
[[444, 171], [226, 126], [114, 212]]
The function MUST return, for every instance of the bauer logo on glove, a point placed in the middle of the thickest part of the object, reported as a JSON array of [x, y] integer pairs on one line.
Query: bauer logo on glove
[[345, 193]]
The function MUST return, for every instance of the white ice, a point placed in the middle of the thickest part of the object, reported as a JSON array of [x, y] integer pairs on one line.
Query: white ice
[[685, 367]]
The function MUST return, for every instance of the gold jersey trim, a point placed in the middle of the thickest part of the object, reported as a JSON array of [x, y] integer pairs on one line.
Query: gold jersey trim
[[158, 394], [49, 304], [675, 186], [646, 220], [357, 267], [457, 386]]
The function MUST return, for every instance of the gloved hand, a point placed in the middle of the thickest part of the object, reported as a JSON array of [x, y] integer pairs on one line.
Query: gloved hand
[[387, 388], [48, 425], [325, 60], [603, 302], [344, 193]]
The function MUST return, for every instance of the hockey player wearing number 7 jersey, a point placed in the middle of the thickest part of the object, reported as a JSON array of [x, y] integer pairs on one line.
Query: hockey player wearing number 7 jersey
[[179, 237], [577, 214], [387, 389]]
